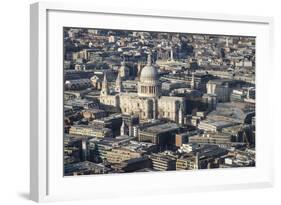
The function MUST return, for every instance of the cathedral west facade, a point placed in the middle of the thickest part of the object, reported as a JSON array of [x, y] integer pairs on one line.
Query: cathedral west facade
[[147, 103]]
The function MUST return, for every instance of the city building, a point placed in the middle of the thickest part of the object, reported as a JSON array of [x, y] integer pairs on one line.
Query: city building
[[221, 139], [116, 150], [85, 168], [215, 125], [187, 162], [120, 154], [89, 131], [112, 122], [134, 164], [92, 113], [160, 134], [183, 138], [163, 162], [77, 84]]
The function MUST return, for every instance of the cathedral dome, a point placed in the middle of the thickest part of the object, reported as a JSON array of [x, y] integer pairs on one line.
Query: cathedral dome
[[148, 86], [149, 72]]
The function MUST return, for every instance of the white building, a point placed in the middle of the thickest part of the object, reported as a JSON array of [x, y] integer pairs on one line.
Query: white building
[[147, 103]]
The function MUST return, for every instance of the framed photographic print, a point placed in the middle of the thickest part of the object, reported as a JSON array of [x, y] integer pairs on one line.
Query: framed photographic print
[[127, 101]]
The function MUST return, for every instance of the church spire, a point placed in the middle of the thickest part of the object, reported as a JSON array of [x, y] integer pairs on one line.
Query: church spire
[[149, 59], [123, 129], [123, 62], [104, 78], [180, 114], [172, 54], [192, 83]]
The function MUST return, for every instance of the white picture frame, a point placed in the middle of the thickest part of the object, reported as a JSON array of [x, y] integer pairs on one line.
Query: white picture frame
[[46, 178]]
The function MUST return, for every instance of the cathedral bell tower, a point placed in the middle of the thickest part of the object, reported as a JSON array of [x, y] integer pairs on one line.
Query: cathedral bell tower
[[104, 87], [118, 84]]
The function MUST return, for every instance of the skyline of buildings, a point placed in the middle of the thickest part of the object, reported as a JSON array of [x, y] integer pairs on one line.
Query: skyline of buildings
[[155, 101]]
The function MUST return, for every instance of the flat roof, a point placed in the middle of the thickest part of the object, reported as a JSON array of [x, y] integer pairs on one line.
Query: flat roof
[[162, 127]]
